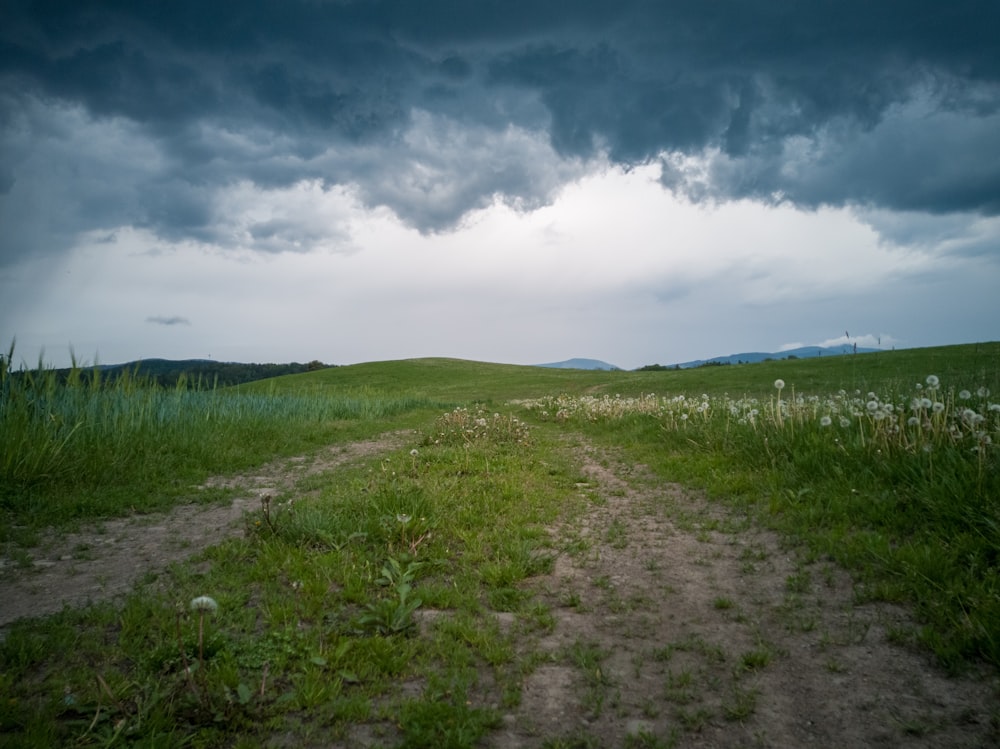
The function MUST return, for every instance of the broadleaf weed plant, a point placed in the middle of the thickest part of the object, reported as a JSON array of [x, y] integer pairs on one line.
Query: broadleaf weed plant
[[393, 615]]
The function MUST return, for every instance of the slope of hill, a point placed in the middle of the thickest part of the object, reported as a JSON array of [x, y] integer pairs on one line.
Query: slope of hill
[[457, 381]]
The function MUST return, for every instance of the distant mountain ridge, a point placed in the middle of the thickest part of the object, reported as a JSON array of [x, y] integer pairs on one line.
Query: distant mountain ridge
[[579, 364], [752, 357]]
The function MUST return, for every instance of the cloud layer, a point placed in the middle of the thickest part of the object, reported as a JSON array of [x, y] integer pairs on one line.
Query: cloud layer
[[175, 116]]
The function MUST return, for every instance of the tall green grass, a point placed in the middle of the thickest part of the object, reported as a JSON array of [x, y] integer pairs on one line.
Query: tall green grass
[[89, 446]]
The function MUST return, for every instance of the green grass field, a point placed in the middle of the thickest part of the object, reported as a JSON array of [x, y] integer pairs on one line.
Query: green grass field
[[887, 463]]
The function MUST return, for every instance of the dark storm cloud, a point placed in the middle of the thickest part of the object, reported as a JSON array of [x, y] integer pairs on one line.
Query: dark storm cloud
[[424, 107]]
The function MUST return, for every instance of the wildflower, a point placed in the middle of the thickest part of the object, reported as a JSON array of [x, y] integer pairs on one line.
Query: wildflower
[[964, 395], [932, 381], [983, 392], [825, 421], [203, 604], [913, 421], [844, 422], [779, 384], [872, 406], [938, 407], [414, 452]]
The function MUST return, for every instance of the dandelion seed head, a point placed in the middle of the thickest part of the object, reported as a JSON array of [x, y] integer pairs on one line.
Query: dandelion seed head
[[932, 381], [938, 407], [414, 452], [964, 395], [204, 604], [983, 392], [779, 384], [913, 421], [844, 422], [825, 421]]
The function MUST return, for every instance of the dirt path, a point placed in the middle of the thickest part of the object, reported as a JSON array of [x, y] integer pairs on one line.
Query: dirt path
[[675, 622], [677, 625], [106, 559]]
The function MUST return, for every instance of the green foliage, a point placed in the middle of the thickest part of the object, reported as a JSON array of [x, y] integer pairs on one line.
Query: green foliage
[[76, 447], [393, 615]]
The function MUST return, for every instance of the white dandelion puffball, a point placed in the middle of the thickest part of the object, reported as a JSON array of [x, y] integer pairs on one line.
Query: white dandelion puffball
[[204, 603], [779, 384]]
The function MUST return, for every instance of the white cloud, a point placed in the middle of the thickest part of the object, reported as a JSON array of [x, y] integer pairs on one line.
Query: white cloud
[[615, 269]]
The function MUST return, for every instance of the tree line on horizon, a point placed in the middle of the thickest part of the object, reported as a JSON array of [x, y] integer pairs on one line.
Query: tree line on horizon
[[190, 373]]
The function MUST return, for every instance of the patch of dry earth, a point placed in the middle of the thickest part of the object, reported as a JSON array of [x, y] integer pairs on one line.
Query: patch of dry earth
[[712, 633], [105, 559]]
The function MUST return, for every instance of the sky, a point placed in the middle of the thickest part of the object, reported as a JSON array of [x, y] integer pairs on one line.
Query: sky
[[518, 181]]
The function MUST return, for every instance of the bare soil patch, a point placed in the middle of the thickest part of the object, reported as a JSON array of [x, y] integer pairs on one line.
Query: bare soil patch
[[679, 624], [105, 559]]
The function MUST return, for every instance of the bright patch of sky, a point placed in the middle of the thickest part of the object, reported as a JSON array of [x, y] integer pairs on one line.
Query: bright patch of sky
[[617, 268]]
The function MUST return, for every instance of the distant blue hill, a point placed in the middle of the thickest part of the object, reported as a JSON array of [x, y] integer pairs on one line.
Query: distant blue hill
[[752, 357], [579, 364]]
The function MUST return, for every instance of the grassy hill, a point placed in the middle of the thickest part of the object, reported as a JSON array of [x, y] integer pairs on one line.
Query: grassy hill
[[460, 381]]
